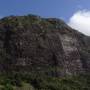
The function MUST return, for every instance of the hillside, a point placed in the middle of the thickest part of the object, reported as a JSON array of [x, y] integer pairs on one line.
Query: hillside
[[32, 46]]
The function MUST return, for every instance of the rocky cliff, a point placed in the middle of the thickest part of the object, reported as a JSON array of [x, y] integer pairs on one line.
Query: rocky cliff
[[42, 45]]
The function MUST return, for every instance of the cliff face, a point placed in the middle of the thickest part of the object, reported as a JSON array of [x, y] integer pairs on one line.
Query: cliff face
[[46, 46]]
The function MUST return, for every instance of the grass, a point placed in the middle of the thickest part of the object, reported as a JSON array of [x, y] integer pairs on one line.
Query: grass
[[25, 86]]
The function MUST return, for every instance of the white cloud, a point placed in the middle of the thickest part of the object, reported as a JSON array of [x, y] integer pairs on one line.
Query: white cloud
[[81, 21]]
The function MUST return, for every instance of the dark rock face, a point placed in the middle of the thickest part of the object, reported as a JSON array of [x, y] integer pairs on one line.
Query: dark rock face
[[46, 46]]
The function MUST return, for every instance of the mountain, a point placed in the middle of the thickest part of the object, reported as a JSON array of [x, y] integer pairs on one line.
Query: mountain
[[42, 46]]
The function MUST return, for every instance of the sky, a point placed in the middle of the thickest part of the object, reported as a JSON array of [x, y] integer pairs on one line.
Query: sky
[[76, 13]]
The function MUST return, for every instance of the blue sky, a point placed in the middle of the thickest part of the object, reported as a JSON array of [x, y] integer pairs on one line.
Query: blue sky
[[45, 8], [69, 10]]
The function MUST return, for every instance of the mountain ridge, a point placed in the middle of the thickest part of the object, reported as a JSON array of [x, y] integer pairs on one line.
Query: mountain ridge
[[43, 43], [42, 54]]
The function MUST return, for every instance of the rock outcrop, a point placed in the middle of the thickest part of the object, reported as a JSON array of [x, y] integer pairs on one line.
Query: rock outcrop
[[46, 46]]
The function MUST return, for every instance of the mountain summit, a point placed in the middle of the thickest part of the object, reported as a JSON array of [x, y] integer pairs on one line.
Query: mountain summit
[[42, 45]]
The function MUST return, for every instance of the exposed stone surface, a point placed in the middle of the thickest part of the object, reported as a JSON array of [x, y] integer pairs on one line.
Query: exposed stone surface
[[34, 44]]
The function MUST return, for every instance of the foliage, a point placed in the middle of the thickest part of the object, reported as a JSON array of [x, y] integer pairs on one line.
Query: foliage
[[79, 82]]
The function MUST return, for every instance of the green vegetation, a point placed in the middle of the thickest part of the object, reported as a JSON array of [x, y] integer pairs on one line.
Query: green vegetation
[[36, 82]]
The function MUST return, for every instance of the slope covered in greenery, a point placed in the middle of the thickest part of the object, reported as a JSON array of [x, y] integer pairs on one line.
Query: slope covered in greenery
[[32, 82]]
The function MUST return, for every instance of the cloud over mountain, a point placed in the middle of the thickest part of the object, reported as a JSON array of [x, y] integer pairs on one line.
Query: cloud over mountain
[[81, 21]]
